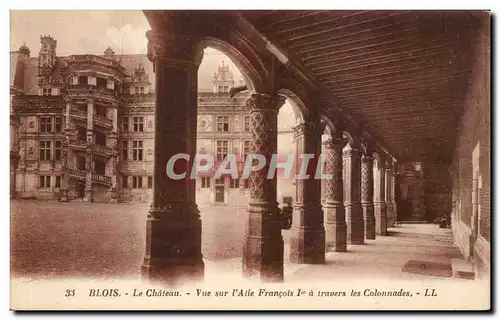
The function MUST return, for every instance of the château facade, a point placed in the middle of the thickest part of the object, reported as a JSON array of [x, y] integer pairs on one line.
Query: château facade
[[82, 127]]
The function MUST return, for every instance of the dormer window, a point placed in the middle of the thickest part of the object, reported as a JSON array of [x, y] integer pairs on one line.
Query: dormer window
[[139, 90], [222, 89]]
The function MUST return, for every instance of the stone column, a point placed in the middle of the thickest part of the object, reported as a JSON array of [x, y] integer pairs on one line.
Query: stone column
[[388, 196], [307, 242], [336, 227], [393, 195], [88, 196], [64, 153], [113, 143], [354, 211], [367, 196], [263, 248], [379, 200], [173, 227]]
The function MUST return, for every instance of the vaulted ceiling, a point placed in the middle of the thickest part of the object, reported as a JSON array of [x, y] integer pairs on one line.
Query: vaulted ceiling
[[403, 75]]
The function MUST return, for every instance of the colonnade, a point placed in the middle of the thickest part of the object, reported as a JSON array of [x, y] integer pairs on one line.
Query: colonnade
[[173, 240]]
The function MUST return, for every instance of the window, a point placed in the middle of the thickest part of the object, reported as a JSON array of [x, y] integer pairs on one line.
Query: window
[[150, 182], [125, 124], [47, 91], [246, 149], [137, 182], [124, 182], [205, 182], [57, 150], [58, 124], [219, 89], [223, 123], [246, 123], [58, 181], [235, 183], [137, 150], [222, 147], [125, 150], [44, 150], [138, 124], [139, 90], [45, 124], [44, 181], [225, 89], [83, 80]]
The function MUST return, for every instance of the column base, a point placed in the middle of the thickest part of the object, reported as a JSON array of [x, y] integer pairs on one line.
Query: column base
[[355, 224], [307, 241], [369, 217], [88, 196], [307, 245], [335, 227], [64, 195], [173, 246], [380, 219], [263, 249], [114, 196]]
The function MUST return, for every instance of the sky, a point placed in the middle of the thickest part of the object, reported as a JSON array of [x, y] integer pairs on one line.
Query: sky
[[91, 32], [82, 32]]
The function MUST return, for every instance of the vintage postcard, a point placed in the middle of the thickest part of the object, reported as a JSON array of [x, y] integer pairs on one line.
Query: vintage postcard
[[250, 160]]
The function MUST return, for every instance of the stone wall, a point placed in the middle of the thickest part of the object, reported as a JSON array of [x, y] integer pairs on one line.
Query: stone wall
[[470, 169]]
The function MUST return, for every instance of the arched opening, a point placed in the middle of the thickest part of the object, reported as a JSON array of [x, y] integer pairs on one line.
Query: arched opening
[[223, 130]]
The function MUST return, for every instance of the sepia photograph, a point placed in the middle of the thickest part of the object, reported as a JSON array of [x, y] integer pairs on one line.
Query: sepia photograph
[[250, 160]]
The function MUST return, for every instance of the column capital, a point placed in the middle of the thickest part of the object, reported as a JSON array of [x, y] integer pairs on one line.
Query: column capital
[[367, 159], [352, 153], [335, 142], [265, 102], [174, 47], [313, 127]]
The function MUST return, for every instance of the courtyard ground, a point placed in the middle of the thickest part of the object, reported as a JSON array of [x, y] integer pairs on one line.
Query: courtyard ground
[[51, 239], [54, 244]]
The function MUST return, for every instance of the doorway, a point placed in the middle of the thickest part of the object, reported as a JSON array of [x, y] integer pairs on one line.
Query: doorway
[[80, 190], [219, 194]]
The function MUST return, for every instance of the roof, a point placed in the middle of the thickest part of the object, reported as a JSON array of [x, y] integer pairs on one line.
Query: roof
[[24, 74]]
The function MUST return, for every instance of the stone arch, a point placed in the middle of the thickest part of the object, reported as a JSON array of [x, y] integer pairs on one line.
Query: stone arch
[[298, 106], [250, 74], [296, 94], [217, 30]]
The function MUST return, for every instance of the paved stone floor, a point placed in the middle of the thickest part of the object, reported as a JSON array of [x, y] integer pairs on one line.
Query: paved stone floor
[[55, 245], [107, 240]]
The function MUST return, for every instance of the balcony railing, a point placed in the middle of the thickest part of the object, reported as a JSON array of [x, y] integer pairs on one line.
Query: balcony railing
[[87, 88], [78, 113], [94, 58], [103, 121], [77, 143], [75, 173], [103, 149], [101, 179]]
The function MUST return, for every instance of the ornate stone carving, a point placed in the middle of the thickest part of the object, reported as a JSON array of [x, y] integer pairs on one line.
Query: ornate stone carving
[[263, 119], [367, 179], [334, 188], [174, 47]]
